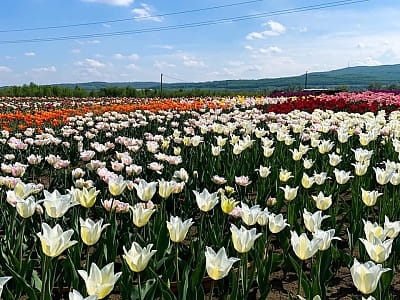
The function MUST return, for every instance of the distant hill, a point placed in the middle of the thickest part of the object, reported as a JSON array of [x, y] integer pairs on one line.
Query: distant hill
[[356, 78]]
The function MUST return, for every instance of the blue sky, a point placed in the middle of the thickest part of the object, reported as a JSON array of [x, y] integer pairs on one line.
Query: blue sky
[[364, 33]]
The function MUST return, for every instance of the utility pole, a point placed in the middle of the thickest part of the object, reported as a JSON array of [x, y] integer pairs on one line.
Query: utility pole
[[305, 83], [161, 86]]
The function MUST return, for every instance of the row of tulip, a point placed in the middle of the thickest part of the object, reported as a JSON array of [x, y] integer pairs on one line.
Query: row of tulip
[[150, 201]]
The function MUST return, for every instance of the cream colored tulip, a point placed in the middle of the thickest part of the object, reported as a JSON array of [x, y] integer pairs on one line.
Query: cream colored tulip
[[165, 188], [86, 197], [366, 276], [326, 238], [289, 192], [308, 163], [341, 176], [296, 154], [369, 197], [26, 207], [206, 200], [145, 190], [372, 230], [140, 214], [285, 175], [307, 181], [268, 151], [334, 159], [54, 240], [313, 221], [116, 186], [56, 205], [218, 264], [392, 229], [263, 216], [303, 247], [100, 282], [276, 223], [243, 239], [322, 202], [178, 229], [250, 215], [91, 231], [264, 171], [382, 176], [377, 250], [360, 168], [137, 257]]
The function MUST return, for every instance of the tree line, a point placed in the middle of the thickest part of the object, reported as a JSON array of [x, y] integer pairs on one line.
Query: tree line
[[34, 90]]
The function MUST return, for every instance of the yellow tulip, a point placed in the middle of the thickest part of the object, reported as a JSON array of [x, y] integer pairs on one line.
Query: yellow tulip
[[228, 204]]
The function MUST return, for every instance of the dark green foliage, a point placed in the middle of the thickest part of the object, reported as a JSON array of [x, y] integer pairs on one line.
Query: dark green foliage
[[351, 78]]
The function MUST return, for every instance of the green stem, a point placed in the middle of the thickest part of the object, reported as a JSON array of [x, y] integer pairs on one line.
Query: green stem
[[244, 275], [177, 269], [301, 275], [21, 243], [46, 276], [140, 287], [87, 259]]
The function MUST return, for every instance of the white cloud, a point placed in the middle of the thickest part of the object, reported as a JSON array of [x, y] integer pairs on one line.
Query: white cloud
[[275, 29], [113, 2], [162, 64], [235, 63], [30, 54], [132, 56], [5, 69], [144, 13], [75, 51], [132, 67], [270, 50], [106, 25], [92, 63], [118, 56], [192, 61], [45, 69]]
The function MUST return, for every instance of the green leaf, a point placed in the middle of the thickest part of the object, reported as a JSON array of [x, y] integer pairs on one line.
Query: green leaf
[[21, 281], [304, 282], [149, 289], [235, 286]]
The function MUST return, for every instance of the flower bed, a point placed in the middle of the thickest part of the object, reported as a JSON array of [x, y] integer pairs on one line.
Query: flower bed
[[145, 200]]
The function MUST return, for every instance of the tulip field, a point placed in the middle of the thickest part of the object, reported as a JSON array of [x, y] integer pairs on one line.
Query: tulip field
[[289, 197]]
